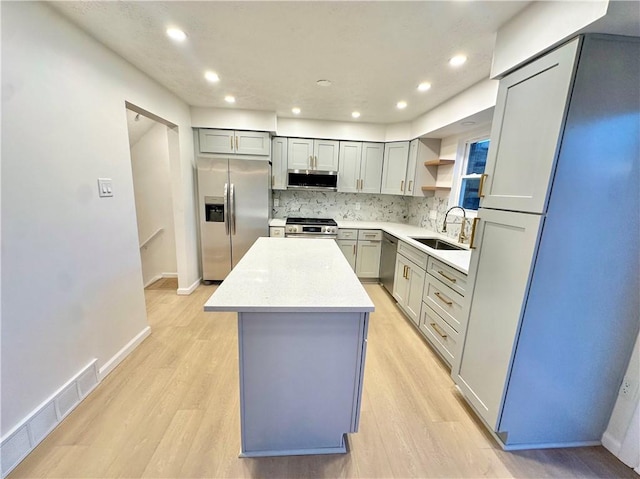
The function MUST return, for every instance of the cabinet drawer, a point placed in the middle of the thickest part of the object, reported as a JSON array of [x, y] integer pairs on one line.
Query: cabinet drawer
[[415, 255], [444, 301], [276, 231], [370, 235], [347, 234], [438, 333], [448, 275]]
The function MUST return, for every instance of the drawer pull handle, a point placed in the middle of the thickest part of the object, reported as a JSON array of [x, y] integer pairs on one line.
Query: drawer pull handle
[[438, 330], [442, 273], [370, 235], [448, 303]]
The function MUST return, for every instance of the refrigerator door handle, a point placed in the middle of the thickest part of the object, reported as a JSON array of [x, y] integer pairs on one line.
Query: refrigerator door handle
[[232, 201], [226, 209]]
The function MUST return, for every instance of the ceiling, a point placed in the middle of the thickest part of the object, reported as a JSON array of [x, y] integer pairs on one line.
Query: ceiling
[[269, 55]]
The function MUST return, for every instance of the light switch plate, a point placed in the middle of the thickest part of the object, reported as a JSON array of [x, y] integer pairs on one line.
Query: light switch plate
[[105, 187], [357, 206]]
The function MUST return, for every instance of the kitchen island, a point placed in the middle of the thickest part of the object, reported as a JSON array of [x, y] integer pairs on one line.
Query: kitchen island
[[302, 334]]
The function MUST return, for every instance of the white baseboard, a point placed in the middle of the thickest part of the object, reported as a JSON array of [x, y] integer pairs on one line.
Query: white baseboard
[[611, 443], [190, 289], [123, 353], [153, 280], [169, 275], [25, 436]]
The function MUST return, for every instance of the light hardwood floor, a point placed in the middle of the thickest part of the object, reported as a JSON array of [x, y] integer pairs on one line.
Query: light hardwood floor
[[171, 410]]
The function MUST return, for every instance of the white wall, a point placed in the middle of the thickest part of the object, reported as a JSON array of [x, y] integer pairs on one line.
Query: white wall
[[154, 206], [538, 27], [479, 98], [71, 275], [334, 130], [233, 119]]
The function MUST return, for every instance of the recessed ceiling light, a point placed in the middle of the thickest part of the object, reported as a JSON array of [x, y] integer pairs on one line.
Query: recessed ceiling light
[[176, 34], [401, 105], [457, 60], [212, 77], [468, 123], [355, 114], [230, 99], [323, 83], [424, 86], [295, 110]]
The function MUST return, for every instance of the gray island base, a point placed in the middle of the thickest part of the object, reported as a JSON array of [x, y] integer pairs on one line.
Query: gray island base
[[302, 333]]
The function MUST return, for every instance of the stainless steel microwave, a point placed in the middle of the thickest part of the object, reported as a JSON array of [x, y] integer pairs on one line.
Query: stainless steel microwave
[[312, 180]]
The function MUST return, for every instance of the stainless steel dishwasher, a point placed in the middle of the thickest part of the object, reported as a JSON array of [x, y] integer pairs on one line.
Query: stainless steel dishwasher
[[388, 261]]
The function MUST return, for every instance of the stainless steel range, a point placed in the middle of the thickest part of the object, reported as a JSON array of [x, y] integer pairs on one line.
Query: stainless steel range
[[311, 228]]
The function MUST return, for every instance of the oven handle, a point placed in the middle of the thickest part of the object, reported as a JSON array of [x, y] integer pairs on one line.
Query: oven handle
[[310, 235]]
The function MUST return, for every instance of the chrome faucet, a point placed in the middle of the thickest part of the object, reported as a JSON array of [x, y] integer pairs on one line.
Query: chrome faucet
[[461, 236]]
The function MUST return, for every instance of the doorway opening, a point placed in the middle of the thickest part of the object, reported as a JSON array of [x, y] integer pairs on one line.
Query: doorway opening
[[149, 144]]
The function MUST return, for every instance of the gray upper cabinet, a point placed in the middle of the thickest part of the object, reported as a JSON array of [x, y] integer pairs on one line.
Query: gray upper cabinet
[[279, 163], [530, 111], [394, 169], [234, 142], [421, 150], [309, 154], [371, 167], [349, 173], [360, 167]]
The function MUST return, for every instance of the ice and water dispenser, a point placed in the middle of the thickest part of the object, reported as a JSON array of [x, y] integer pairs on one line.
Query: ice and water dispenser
[[214, 209]]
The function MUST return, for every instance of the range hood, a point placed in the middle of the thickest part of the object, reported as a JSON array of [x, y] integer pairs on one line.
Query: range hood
[[312, 180]]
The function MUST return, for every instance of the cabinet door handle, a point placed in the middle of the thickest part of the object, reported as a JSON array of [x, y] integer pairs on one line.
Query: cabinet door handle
[[442, 273], [236, 143], [441, 298], [231, 140], [481, 188], [410, 185], [437, 329], [354, 249], [406, 272], [273, 180], [402, 185], [473, 232]]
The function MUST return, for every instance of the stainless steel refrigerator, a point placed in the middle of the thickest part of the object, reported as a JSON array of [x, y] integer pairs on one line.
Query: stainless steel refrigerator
[[234, 202]]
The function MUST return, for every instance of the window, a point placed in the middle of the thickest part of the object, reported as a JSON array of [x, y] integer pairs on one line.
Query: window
[[475, 159]]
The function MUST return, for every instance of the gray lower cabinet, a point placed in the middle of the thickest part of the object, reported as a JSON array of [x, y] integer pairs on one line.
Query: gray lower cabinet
[[362, 248], [276, 231], [442, 320], [349, 248], [409, 280]]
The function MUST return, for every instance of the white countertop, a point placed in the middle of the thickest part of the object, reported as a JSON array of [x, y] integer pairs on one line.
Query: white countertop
[[458, 259], [287, 274]]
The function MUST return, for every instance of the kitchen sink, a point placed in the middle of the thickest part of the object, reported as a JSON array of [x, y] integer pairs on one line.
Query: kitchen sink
[[436, 243]]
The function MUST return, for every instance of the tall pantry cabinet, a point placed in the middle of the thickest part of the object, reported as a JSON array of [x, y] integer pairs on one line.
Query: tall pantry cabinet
[[555, 270]]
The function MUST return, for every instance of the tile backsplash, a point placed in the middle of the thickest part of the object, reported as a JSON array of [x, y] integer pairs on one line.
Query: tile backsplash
[[392, 208], [340, 206]]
